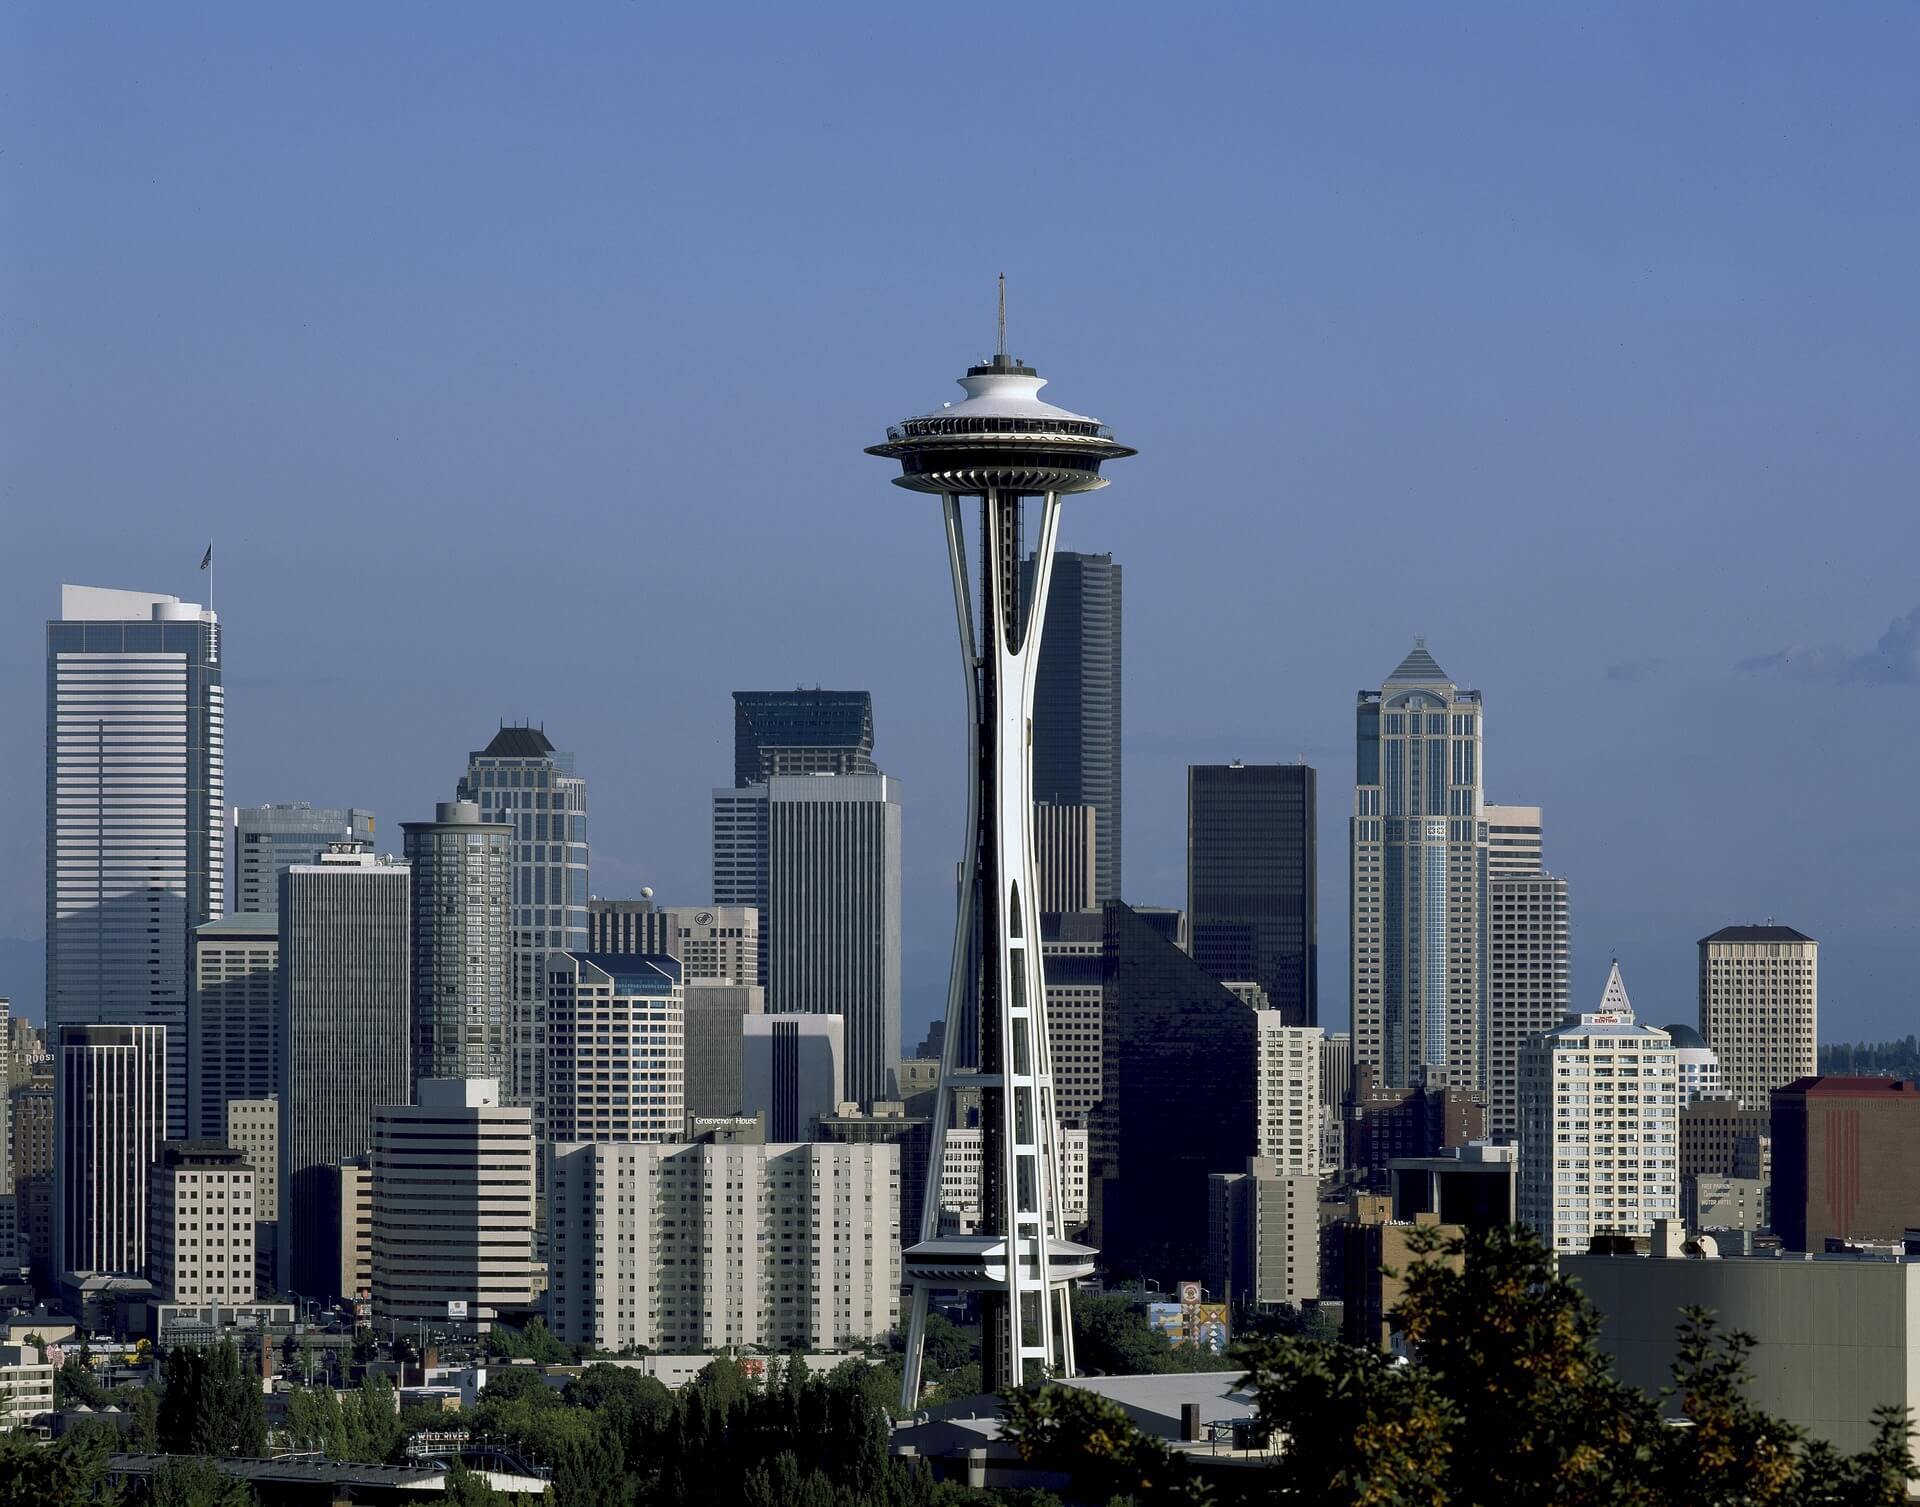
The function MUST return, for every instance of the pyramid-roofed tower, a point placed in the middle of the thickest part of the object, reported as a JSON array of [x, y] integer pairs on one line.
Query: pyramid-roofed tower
[[1613, 998], [1419, 668]]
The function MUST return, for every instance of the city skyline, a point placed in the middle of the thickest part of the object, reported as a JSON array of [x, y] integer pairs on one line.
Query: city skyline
[[1645, 535]]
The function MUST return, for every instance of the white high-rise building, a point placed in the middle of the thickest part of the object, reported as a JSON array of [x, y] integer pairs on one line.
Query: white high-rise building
[[616, 1025], [201, 1225], [136, 811], [110, 1090], [233, 1016], [453, 1206], [1599, 1126], [1416, 879], [1760, 1007], [1514, 840], [1288, 1131], [961, 1183], [1699, 1066], [694, 1247], [826, 878]]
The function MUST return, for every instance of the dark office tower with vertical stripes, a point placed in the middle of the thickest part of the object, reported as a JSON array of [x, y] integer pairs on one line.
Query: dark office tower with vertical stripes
[[1076, 702], [1251, 900], [346, 944], [801, 732]]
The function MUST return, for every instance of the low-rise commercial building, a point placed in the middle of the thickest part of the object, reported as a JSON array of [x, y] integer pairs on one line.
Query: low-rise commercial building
[[1844, 1163], [1834, 1337], [26, 1385]]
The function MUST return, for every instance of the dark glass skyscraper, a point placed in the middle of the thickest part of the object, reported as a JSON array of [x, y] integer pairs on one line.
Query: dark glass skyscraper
[[1251, 899], [1178, 1081], [1076, 702], [801, 732]]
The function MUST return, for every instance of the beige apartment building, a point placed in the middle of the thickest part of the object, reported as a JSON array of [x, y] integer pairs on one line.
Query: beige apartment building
[[1759, 1007]]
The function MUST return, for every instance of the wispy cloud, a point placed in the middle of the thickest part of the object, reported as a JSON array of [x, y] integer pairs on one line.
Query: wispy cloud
[[1894, 660], [1633, 671]]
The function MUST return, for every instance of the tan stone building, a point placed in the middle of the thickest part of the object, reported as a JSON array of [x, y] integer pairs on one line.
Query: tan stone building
[[1759, 1007]]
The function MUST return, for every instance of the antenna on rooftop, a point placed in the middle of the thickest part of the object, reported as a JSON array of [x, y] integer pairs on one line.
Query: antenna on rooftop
[[1001, 348]]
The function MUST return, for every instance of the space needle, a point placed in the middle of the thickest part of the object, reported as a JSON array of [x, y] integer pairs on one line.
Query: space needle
[[1003, 445]]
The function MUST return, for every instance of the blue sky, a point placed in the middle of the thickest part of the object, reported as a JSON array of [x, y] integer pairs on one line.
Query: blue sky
[[520, 359]]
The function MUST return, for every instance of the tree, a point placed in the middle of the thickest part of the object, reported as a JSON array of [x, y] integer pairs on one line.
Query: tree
[[185, 1481], [1113, 1338], [211, 1404], [468, 1488], [1091, 1438], [75, 1385], [1506, 1399], [535, 1343], [72, 1472]]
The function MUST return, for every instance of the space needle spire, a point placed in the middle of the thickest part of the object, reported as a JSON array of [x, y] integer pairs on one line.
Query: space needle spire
[[1002, 445]]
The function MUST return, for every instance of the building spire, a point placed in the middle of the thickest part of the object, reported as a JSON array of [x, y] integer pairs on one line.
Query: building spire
[[1000, 348]]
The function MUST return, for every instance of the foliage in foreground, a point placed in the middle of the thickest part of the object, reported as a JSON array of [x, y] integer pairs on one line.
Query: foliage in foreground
[[1510, 1401]]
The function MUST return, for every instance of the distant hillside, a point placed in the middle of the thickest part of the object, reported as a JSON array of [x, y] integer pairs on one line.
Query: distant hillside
[[1872, 1059]]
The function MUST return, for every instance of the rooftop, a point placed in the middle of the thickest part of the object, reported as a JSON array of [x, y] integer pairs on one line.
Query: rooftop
[[1685, 1037], [1419, 667], [517, 743], [1767, 933], [1832, 1086]]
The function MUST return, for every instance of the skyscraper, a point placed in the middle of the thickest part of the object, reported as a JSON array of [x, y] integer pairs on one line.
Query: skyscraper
[[1066, 857], [268, 839], [792, 1070], [1526, 958], [1599, 1126], [453, 1206], [462, 957], [619, 1049], [345, 1031], [110, 1090], [801, 732], [1760, 1007], [233, 1016], [1002, 444], [740, 857], [822, 854], [136, 811], [1514, 840], [1179, 1099], [1252, 908], [1416, 878], [520, 779], [1076, 700]]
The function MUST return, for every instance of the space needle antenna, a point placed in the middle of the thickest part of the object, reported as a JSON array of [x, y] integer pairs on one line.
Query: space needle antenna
[[1001, 348]]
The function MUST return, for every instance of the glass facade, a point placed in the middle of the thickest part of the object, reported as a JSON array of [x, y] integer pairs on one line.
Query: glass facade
[[1076, 702], [1418, 880], [1251, 895], [1179, 1064], [135, 811], [801, 732], [519, 779]]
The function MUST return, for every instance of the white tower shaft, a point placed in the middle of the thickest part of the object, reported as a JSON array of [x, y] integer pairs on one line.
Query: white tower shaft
[[1020, 1258]]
